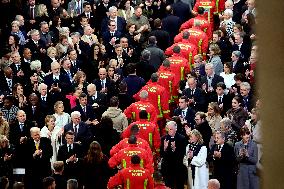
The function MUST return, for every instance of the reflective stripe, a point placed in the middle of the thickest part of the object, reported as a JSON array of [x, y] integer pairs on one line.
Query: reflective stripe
[[199, 46], [148, 116], [159, 106], [171, 91], [166, 111], [123, 163], [127, 183], [182, 73], [133, 115], [217, 6], [141, 163], [145, 183], [151, 140], [190, 59]]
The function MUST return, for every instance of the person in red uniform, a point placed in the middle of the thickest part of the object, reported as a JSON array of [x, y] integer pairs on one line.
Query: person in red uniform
[[167, 79], [210, 9], [158, 181], [133, 177], [147, 131], [204, 24], [123, 157], [196, 37], [158, 96], [132, 111], [188, 49]]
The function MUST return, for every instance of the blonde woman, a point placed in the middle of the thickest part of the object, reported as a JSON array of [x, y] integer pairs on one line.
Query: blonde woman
[[42, 14], [195, 159], [80, 81], [62, 118], [213, 116], [53, 133]]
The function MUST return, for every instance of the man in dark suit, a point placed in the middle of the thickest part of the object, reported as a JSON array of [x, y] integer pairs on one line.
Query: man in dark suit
[[46, 99], [19, 70], [57, 82], [196, 96], [80, 129], [243, 46], [237, 63], [186, 113], [102, 10], [71, 154], [90, 15], [7, 80], [67, 70], [39, 152], [34, 111], [30, 12], [247, 97], [210, 80], [104, 84], [60, 179], [76, 62], [45, 35], [111, 36], [121, 57], [119, 21], [18, 134], [86, 110], [224, 101], [36, 45], [171, 23], [222, 155], [97, 100], [181, 10], [162, 36], [203, 127]]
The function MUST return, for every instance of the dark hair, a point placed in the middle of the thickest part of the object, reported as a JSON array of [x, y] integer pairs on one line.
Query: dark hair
[[135, 159], [222, 85], [239, 76], [83, 95], [134, 129], [200, 10], [157, 23], [176, 49], [184, 98], [4, 182], [229, 65], [238, 99], [244, 131], [132, 139], [185, 35], [152, 40], [143, 114], [16, 39], [154, 77], [69, 133], [130, 68], [114, 101], [122, 86], [95, 153], [47, 181], [86, 3]]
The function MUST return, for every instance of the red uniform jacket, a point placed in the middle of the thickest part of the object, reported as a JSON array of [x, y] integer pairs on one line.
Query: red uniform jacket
[[196, 37], [133, 110], [158, 96], [204, 25], [180, 67], [124, 144], [133, 177], [209, 7], [147, 131], [187, 49], [167, 80], [123, 157], [219, 6]]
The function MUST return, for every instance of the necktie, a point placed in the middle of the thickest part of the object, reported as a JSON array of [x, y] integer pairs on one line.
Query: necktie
[[32, 13], [9, 81], [69, 148], [220, 100], [192, 92], [18, 67], [37, 145], [103, 84], [183, 113], [111, 34], [218, 147], [21, 127], [69, 75], [43, 98], [84, 109], [33, 107], [75, 130]]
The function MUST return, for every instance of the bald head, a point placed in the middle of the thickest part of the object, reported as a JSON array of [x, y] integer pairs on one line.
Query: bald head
[[91, 89], [102, 73], [213, 184]]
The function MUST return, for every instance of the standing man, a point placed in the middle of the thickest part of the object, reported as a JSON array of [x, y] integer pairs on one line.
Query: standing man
[[39, 152], [172, 151], [203, 127]]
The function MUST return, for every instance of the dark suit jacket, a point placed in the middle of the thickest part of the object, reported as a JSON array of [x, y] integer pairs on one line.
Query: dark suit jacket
[[206, 132], [163, 38], [107, 37], [84, 134], [4, 85], [226, 100], [216, 79], [171, 24], [63, 83], [93, 20], [110, 85], [223, 166], [70, 169], [15, 132], [189, 117], [181, 10], [39, 166], [200, 102], [245, 50], [239, 67], [35, 49], [37, 117], [101, 100], [85, 116], [121, 24]]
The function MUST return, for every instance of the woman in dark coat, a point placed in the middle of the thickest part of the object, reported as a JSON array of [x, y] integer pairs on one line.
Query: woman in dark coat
[[95, 172], [247, 157]]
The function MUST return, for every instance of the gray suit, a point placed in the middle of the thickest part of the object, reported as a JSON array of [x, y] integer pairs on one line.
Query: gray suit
[[247, 178], [217, 64]]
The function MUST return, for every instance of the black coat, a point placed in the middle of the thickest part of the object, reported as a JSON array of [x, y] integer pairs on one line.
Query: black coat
[[163, 38], [205, 131], [171, 24], [189, 117], [200, 102]]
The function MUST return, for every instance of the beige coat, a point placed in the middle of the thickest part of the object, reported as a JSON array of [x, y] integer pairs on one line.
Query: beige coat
[[4, 129], [118, 117]]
